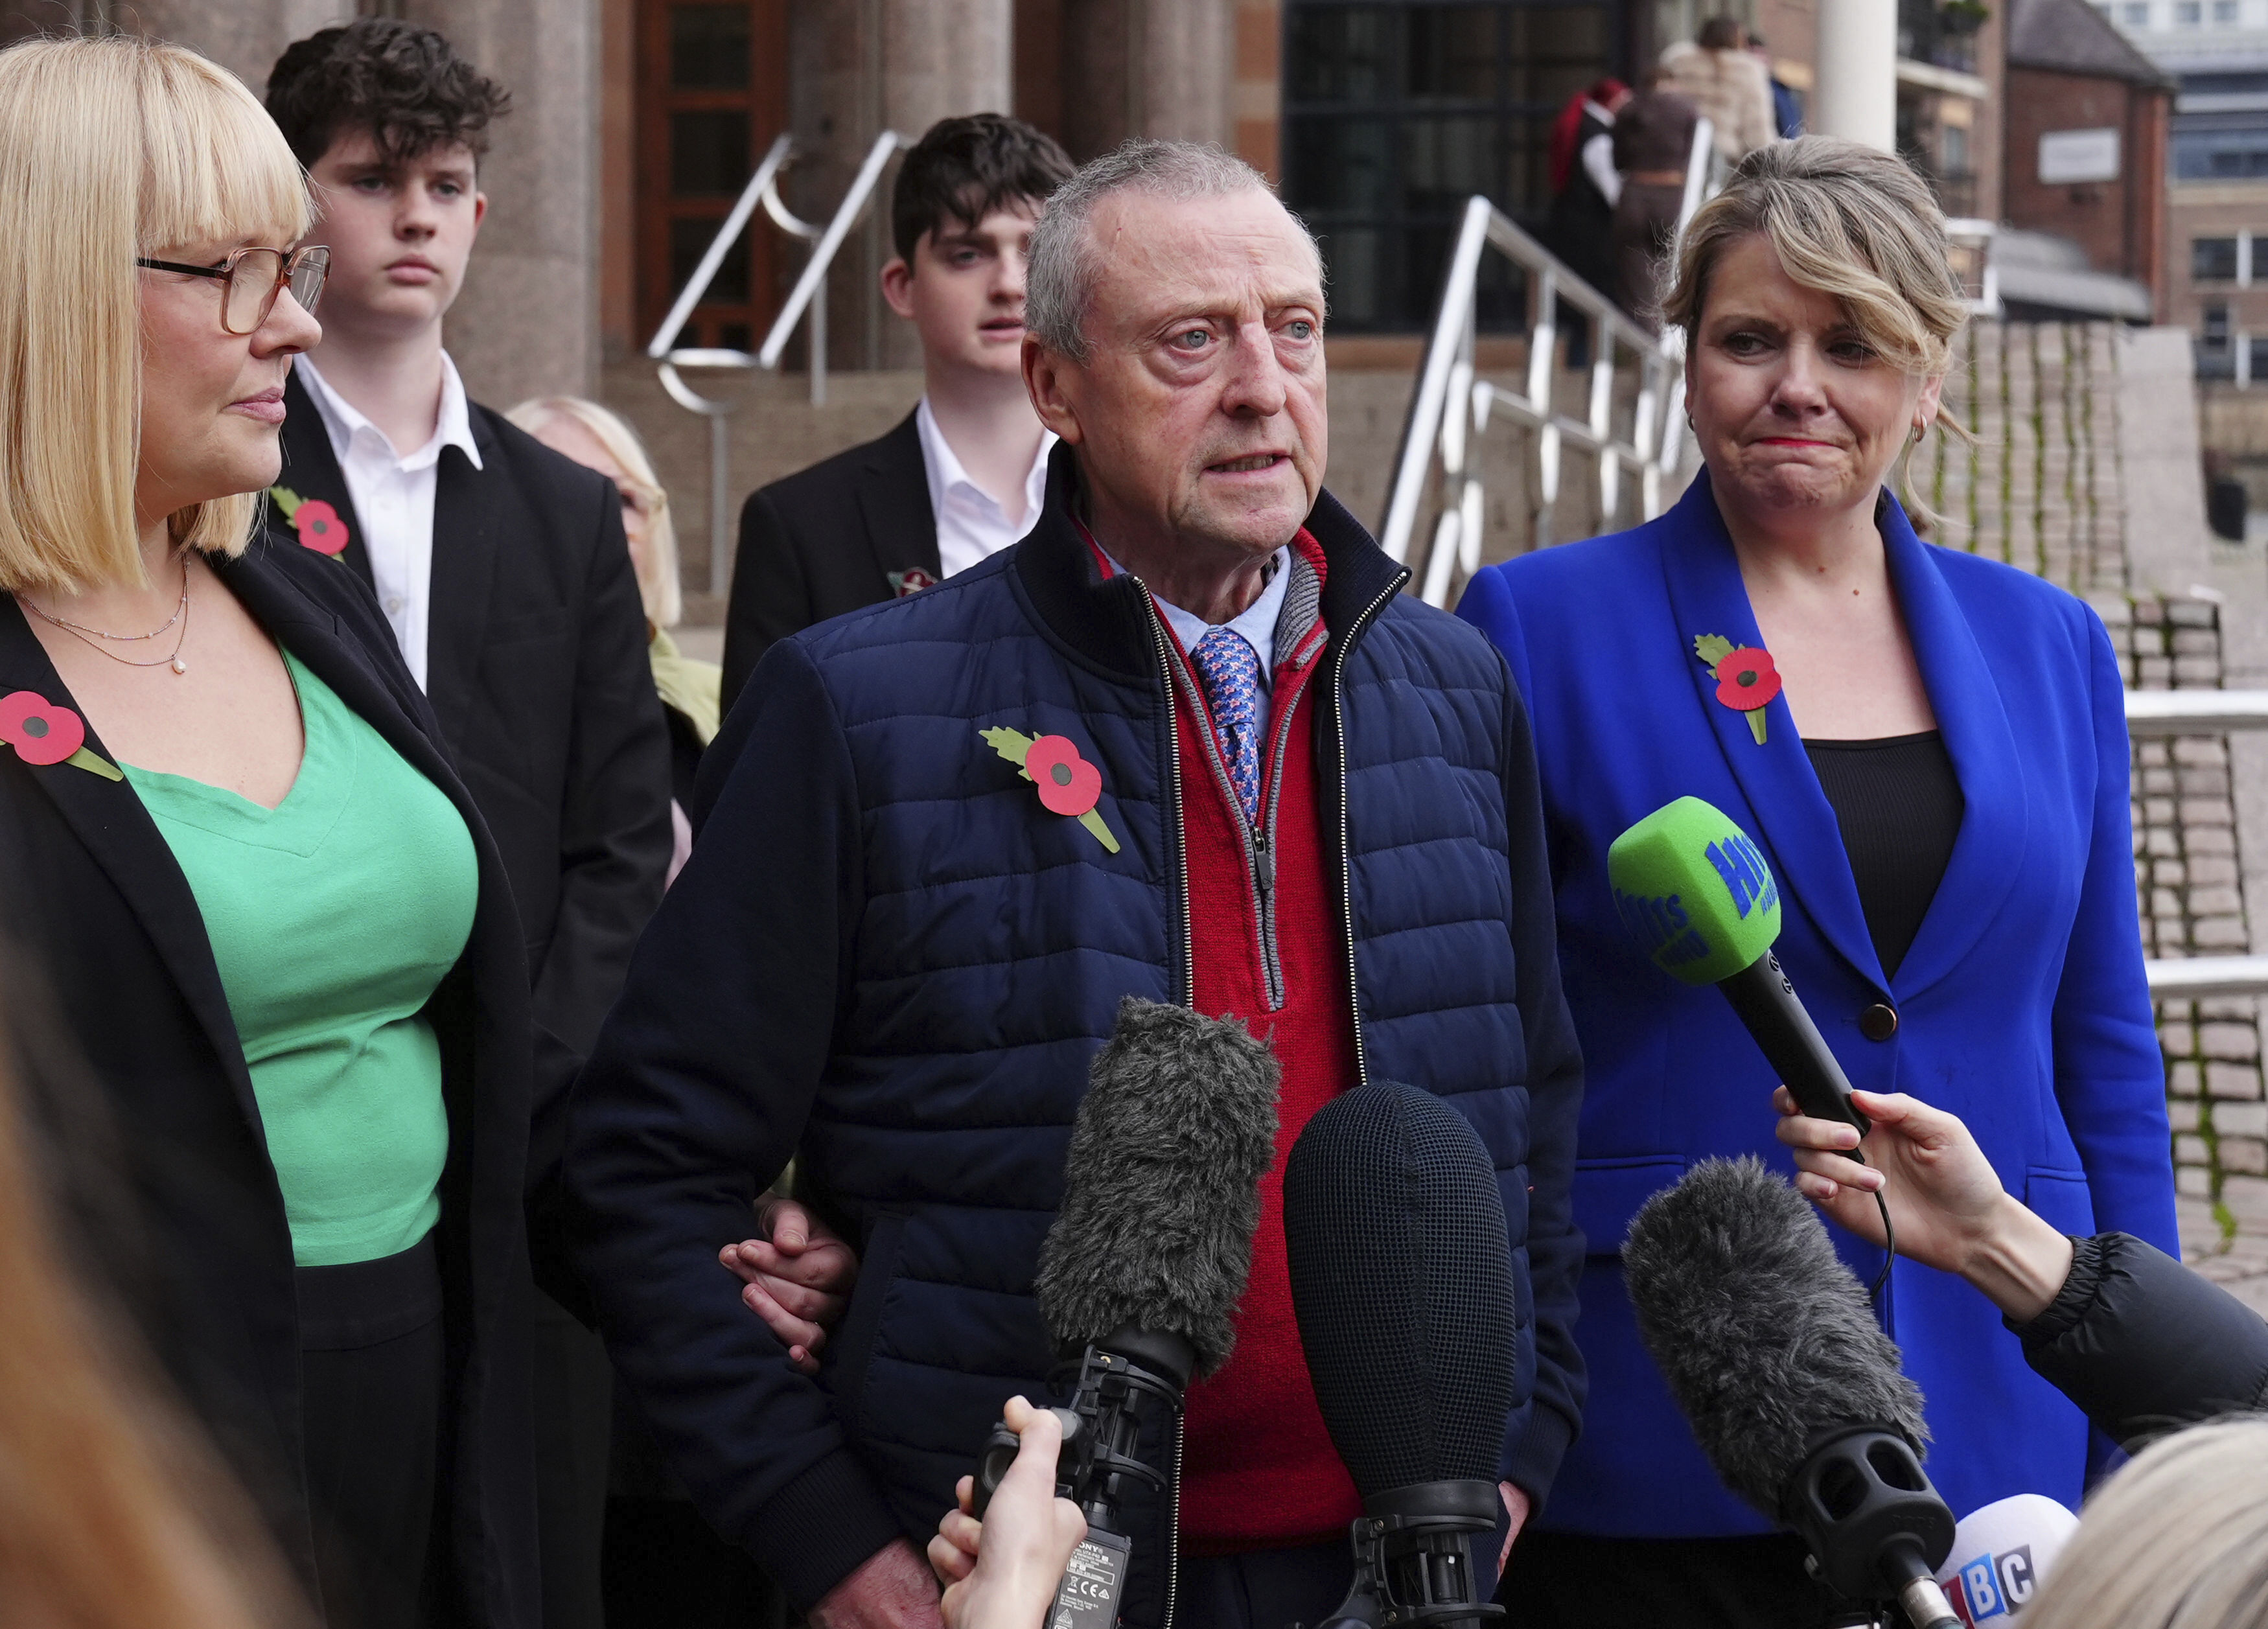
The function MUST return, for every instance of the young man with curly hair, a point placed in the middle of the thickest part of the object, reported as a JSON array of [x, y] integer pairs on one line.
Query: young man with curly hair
[[503, 571]]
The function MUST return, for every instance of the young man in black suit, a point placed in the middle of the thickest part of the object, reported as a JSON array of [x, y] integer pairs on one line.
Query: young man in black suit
[[503, 571], [961, 477]]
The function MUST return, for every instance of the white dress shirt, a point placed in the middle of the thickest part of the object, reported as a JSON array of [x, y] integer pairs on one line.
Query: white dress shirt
[[1256, 624], [970, 526], [393, 499]]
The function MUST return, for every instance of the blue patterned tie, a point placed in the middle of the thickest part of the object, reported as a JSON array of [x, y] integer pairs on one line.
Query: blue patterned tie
[[1230, 672]]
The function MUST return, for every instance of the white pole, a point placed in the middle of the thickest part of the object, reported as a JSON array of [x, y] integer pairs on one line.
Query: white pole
[[1856, 93]]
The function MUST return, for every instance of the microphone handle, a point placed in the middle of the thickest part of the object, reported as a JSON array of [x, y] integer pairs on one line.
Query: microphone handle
[[1924, 1605], [1767, 1005]]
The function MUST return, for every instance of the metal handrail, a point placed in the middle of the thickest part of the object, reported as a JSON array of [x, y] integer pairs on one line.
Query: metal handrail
[[808, 299], [1448, 375], [2154, 714]]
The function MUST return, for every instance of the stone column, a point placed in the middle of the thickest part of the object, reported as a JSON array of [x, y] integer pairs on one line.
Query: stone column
[[527, 321], [861, 67], [1857, 93]]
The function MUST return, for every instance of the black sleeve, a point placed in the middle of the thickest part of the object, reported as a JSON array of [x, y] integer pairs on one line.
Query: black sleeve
[[771, 598], [2143, 1346], [697, 1093], [614, 853]]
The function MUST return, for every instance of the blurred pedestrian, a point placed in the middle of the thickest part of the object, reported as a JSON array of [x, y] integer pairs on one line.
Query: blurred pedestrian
[[1584, 185], [1787, 107], [235, 841], [115, 1511], [1653, 144], [504, 574], [1731, 88], [961, 477], [599, 440]]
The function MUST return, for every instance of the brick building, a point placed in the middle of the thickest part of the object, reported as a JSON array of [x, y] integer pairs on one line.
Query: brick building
[[2086, 128]]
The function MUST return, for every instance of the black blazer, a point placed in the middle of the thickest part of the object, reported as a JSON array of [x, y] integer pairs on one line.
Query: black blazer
[[842, 534], [91, 892], [537, 670]]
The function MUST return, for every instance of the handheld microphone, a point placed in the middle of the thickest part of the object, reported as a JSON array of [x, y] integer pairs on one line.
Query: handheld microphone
[[1140, 1274], [2001, 1555], [1792, 1389], [1694, 892], [1402, 1282]]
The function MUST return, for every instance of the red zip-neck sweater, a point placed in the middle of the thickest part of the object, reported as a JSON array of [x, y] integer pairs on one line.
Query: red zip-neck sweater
[[1258, 1470]]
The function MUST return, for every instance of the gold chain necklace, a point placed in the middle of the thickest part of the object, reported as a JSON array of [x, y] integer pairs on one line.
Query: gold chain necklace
[[82, 634]]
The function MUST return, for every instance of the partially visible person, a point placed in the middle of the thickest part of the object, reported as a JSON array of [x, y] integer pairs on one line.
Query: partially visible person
[[1584, 185], [233, 839], [503, 571], [1653, 140], [1787, 107], [1732, 89], [1002, 1571], [2178, 1539], [598, 438], [961, 477], [2139, 1341], [1893, 724], [115, 1511]]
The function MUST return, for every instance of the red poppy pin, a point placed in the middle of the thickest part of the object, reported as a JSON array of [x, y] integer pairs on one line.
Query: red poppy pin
[[1746, 679], [317, 523], [912, 581], [44, 734], [1068, 783]]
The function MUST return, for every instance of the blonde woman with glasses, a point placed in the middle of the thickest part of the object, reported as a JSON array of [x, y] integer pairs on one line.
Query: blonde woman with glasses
[[231, 841]]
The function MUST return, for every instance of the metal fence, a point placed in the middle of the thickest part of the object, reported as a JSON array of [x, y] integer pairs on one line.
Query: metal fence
[[808, 298]]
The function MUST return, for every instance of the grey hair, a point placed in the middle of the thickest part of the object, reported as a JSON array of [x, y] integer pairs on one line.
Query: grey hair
[[1059, 279]]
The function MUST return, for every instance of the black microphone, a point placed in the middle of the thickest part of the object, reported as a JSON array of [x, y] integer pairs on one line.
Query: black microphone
[[1140, 1274], [1402, 1282], [1694, 892], [1792, 1389]]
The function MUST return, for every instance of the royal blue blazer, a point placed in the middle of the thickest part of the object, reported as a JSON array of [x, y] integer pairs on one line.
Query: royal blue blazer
[[2022, 1006]]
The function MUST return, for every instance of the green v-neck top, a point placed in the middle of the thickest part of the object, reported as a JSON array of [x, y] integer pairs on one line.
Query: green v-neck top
[[333, 917]]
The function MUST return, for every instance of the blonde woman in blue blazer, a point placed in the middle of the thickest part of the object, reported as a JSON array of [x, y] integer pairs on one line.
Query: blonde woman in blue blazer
[[1931, 750]]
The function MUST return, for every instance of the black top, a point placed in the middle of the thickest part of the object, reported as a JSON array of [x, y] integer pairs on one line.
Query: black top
[[1899, 805]]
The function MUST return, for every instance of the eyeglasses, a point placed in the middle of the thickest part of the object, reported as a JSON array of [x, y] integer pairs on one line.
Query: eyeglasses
[[254, 277]]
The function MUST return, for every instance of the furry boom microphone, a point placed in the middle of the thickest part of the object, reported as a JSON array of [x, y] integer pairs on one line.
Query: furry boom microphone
[[1140, 1275], [1162, 1186], [1791, 1386]]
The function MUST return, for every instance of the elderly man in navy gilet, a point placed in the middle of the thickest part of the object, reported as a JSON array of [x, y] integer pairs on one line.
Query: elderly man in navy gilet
[[1264, 783]]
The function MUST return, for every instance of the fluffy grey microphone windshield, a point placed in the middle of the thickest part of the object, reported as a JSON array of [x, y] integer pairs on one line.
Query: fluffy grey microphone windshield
[[1765, 1337], [1162, 1185]]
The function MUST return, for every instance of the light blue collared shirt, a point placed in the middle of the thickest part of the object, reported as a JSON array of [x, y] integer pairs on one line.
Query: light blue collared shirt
[[1256, 624]]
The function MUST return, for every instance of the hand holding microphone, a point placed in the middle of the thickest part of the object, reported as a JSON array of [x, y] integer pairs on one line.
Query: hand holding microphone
[[1944, 1197], [1001, 1573]]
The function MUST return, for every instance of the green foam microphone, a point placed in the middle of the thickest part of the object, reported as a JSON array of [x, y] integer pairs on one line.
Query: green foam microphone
[[1694, 891]]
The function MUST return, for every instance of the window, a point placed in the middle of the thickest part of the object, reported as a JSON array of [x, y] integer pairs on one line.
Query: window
[[2135, 13], [2188, 13], [2256, 355], [2213, 260], [1396, 113], [2224, 13], [2216, 357], [2222, 154], [712, 96]]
